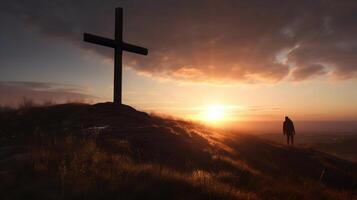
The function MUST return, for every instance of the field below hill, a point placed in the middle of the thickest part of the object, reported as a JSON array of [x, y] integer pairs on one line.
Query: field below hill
[[340, 144], [108, 151]]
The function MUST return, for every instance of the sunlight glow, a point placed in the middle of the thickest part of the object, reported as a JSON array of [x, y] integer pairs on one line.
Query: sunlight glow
[[213, 113]]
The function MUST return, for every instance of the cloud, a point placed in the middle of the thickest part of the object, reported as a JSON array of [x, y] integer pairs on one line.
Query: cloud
[[12, 92], [304, 72], [213, 41]]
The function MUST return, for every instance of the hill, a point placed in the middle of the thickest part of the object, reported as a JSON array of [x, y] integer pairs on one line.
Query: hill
[[106, 150]]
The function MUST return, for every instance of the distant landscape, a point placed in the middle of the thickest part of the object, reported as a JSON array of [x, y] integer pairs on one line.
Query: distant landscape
[[339, 144]]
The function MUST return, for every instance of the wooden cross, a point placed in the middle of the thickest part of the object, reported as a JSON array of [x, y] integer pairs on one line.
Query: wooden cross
[[119, 46]]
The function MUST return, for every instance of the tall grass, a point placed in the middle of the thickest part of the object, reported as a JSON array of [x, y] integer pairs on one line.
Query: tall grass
[[78, 166]]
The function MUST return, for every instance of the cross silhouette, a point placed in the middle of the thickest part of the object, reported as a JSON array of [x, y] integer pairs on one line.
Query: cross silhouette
[[119, 46]]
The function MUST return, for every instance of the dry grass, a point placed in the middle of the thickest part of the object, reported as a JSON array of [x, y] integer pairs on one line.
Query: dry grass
[[75, 167], [82, 168], [62, 165]]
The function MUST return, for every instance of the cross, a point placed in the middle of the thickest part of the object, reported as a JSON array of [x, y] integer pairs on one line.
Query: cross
[[119, 46]]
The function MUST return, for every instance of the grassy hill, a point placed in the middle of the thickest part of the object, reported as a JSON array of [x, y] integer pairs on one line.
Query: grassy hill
[[79, 151]]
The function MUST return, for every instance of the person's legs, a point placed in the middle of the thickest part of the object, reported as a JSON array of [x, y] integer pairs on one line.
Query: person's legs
[[287, 139], [292, 140]]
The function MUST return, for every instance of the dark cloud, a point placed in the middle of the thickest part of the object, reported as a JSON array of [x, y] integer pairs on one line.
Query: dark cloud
[[13, 92], [210, 40], [305, 72]]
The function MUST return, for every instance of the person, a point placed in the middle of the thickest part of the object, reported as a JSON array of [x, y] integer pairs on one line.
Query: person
[[289, 130]]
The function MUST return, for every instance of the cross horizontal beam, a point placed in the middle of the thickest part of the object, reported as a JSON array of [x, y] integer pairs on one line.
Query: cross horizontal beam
[[98, 40], [134, 49], [87, 37]]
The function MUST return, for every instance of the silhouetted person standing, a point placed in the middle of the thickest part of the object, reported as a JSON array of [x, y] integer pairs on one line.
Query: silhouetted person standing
[[289, 130]]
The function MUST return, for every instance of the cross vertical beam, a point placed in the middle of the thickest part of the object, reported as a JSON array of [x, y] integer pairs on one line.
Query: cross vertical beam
[[118, 56]]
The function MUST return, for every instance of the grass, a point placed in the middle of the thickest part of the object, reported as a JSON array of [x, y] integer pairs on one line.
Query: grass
[[79, 168], [41, 159], [72, 167]]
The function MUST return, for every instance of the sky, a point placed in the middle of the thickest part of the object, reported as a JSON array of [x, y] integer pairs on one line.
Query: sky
[[253, 60]]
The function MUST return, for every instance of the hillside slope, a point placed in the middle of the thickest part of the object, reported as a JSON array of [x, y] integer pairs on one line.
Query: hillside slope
[[114, 151]]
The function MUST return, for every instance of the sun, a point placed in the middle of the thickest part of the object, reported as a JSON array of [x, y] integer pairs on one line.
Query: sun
[[213, 113]]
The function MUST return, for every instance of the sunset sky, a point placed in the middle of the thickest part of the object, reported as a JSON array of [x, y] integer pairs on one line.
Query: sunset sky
[[256, 60]]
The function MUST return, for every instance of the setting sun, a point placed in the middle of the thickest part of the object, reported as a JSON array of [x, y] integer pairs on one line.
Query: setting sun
[[213, 113]]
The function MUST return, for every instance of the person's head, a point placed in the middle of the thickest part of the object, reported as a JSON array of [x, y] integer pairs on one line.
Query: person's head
[[286, 118]]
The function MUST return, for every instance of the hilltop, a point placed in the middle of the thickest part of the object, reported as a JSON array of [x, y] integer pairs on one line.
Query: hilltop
[[108, 150]]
